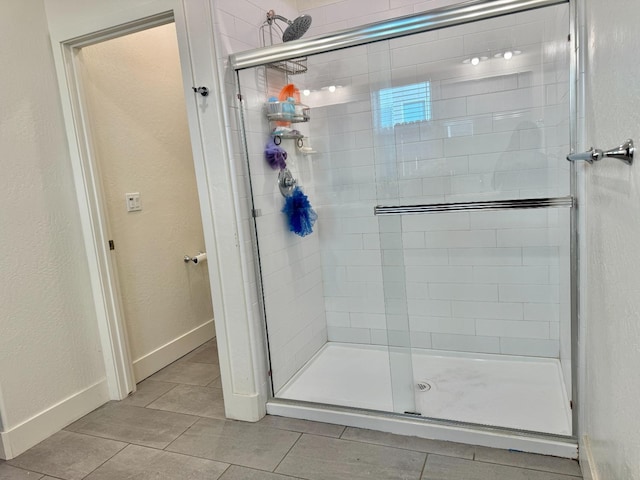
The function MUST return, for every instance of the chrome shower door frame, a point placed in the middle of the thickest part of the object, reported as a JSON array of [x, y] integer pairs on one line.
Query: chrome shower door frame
[[459, 14]]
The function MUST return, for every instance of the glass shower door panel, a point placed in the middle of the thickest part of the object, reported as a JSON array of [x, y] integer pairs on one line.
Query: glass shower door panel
[[397, 314], [488, 302], [479, 113]]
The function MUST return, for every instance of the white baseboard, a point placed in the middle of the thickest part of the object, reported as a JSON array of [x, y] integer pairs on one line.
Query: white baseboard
[[22, 437], [170, 352], [587, 463]]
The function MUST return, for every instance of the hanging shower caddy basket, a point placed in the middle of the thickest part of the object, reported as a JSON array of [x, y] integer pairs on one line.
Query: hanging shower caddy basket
[[294, 66], [288, 112], [270, 34]]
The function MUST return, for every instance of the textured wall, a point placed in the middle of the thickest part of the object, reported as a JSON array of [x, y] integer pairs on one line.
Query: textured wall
[[49, 347], [141, 138], [613, 233]]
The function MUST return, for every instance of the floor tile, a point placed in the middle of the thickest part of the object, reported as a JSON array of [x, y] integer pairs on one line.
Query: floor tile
[[242, 473], [142, 426], [68, 455], [302, 426], [528, 460], [217, 383], [450, 468], [144, 463], [450, 449], [192, 400], [206, 353], [147, 392], [188, 373], [323, 458], [240, 443], [7, 472]]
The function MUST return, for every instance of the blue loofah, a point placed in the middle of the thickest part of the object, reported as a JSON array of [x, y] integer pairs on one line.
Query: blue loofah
[[299, 212]]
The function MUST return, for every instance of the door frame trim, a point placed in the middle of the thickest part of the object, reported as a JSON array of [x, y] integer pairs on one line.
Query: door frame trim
[[211, 126], [91, 203]]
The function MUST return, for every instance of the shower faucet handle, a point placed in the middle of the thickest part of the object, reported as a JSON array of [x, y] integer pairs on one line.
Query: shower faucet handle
[[591, 155], [623, 153]]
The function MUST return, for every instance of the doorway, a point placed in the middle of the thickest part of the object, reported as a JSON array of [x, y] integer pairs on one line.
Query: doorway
[[139, 136]]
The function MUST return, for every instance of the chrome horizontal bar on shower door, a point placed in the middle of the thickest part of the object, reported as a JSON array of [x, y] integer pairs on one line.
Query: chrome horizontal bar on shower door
[[397, 27], [524, 203]]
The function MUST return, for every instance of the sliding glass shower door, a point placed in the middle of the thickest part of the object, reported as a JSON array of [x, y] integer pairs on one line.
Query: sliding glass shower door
[[471, 130], [436, 281]]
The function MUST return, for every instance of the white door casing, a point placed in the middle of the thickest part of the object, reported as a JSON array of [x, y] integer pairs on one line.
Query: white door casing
[[74, 24]]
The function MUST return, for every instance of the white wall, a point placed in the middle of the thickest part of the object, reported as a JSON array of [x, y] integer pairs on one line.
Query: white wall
[[49, 345], [136, 105], [609, 399]]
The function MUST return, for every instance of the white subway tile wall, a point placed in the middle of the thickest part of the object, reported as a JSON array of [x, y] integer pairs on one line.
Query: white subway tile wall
[[291, 266], [479, 282]]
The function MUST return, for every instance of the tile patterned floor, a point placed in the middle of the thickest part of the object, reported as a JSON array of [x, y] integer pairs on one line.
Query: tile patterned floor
[[173, 427]]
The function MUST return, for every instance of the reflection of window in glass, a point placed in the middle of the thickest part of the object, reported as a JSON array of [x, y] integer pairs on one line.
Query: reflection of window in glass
[[404, 104]]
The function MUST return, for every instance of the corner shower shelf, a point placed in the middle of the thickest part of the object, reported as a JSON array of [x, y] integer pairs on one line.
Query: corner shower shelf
[[298, 137]]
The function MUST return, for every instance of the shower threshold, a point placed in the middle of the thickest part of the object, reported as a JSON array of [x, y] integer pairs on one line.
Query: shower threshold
[[520, 393]]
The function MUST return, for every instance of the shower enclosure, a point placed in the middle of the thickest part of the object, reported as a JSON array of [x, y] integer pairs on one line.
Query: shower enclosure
[[437, 283]]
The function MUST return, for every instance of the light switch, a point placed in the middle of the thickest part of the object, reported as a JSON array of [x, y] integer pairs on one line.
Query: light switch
[[133, 202]]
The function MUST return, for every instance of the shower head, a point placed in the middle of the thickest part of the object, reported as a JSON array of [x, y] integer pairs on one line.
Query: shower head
[[296, 28]]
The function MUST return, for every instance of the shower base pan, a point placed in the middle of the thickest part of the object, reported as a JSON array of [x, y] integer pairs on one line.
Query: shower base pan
[[520, 393]]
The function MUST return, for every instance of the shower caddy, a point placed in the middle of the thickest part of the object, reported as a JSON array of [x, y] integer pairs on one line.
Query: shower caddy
[[285, 111]]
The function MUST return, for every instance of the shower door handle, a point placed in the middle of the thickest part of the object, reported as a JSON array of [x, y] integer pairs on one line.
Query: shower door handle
[[623, 153]]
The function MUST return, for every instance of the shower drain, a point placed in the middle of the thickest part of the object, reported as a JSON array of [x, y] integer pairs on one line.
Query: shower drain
[[423, 386]]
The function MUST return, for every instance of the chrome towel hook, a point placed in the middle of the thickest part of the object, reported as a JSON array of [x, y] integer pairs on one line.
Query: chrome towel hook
[[623, 153]]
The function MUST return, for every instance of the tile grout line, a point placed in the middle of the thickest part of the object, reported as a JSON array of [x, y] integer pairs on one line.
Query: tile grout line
[[401, 448], [25, 470], [224, 471], [288, 451], [121, 441], [127, 444], [183, 432], [528, 468], [158, 398], [424, 466]]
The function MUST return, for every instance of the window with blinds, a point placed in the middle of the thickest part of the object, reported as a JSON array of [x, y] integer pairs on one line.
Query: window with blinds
[[404, 104]]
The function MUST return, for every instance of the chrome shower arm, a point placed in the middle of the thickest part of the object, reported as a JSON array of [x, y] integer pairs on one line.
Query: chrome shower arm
[[271, 16]]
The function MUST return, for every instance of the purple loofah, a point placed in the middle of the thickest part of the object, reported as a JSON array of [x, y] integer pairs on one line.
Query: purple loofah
[[276, 156]]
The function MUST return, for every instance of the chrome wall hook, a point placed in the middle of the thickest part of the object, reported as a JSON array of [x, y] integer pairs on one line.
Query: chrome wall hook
[[624, 153], [204, 91]]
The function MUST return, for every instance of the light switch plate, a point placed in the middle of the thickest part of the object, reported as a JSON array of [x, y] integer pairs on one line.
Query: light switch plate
[[133, 202]]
